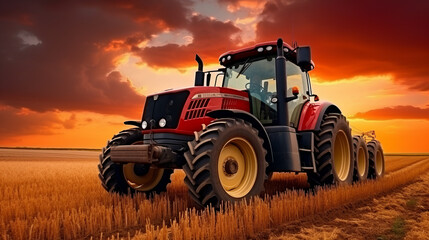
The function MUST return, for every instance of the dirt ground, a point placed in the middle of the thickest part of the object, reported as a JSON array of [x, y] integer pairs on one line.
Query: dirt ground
[[401, 214]]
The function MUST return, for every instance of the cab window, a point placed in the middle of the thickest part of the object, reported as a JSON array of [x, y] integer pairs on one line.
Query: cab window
[[257, 77]]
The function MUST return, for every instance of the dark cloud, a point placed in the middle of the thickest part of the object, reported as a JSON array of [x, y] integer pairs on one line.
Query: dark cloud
[[22, 122], [356, 38], [70, 68], [166, 13], [396, 112], [229, 1], [211, 38]]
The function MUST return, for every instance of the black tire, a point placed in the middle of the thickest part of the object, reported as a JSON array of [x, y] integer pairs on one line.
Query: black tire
[[203, 178], [112, 174], [270, 176], [360, 154], [333, 127], [376, 160]]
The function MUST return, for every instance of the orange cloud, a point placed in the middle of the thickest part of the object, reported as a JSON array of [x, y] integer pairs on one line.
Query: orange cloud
[[396, 112], [57, 129], [114, 45], [235, 5], [18, 122]]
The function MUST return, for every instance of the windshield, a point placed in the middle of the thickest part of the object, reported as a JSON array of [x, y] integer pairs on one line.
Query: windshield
[[240, 76], [258, 78]]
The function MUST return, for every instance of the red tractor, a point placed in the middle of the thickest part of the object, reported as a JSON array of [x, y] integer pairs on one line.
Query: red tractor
[[257, 116]]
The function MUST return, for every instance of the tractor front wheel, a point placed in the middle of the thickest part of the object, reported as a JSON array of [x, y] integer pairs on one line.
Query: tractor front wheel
[[333, 152], [225, 162], [130, 177]]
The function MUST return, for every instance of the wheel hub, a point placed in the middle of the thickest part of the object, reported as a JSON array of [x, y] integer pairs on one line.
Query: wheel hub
[[231, 166], [141, 169]]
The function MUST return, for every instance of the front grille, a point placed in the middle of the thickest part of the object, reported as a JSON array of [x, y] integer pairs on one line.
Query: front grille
[[229, 103], [197, 109], [168, 106]]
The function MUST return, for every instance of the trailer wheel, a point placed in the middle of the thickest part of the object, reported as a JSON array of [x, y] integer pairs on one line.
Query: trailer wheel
[[360, 154], [333, 152], [130, 177], [225, 162], [376, 160]]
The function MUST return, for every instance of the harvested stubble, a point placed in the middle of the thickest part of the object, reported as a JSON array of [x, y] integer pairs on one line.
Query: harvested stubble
[[245, 219], [280, 182], [61, 198], [64, 200], [395, 163]]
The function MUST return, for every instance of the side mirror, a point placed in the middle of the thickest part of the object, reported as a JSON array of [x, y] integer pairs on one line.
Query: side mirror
[[303, 58]]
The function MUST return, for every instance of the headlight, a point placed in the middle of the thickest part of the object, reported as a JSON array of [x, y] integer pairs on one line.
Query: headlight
[[144, 124], [162, 122]]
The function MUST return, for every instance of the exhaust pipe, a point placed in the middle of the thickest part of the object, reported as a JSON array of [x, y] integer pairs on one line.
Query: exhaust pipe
[[199, 75]]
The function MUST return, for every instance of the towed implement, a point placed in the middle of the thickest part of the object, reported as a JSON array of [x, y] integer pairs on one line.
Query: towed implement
[[256, 116]]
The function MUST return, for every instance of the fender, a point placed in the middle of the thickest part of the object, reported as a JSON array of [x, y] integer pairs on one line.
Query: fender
[[312, 115], [235, 113]]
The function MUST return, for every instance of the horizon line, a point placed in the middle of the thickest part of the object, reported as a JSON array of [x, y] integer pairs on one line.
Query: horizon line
[[99, 149]]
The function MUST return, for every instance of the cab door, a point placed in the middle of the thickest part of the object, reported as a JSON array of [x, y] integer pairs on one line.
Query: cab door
[[296, 78]]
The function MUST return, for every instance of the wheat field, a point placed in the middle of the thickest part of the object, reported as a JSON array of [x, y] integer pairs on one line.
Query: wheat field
[[57, 195]]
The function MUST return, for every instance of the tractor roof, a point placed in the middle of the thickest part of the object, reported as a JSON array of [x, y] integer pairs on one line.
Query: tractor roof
[[260, 49]]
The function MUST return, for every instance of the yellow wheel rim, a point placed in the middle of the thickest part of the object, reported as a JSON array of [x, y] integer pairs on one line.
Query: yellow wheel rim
[[361, 164], [142, 182], [237, 167], [145, 182], [342, 156], [379, 163]]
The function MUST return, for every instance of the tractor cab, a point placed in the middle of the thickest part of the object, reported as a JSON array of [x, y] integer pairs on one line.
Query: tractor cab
[[257, 76], [253, 70]]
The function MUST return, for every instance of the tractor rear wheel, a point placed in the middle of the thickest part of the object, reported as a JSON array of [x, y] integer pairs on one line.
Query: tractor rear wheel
[[225, 162], [130, 177], [376, 160], [333, 152], [360, 154]]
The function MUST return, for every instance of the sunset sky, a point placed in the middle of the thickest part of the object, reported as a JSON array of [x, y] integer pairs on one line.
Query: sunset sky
[[72, 71]]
